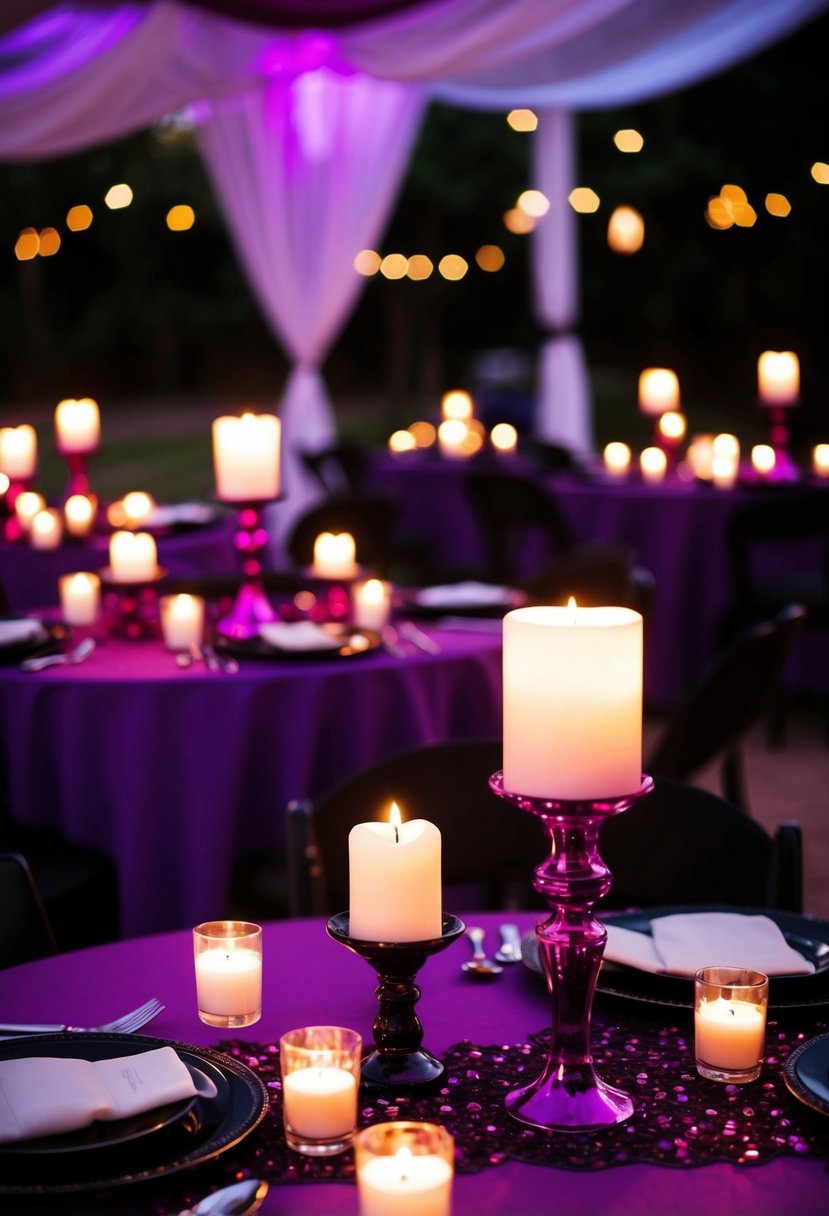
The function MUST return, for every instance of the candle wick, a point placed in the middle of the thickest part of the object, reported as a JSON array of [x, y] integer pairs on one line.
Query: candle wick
[[396, 835]]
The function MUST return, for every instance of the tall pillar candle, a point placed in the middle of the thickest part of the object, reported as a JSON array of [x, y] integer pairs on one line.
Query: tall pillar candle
[[572, 702], [77, 425], [246, 457], [395, 881], [133, 557], [80, 598], [18, 452], [778, 377]]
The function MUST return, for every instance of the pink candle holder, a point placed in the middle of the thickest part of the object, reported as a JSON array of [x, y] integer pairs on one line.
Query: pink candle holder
[[568, 1095], [251, 607], [78, 466], [785, 468], [12, 528], [131, 607]]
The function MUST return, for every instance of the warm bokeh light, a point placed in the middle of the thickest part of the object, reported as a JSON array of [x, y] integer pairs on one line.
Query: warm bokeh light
[[820, 172], [778, 204], [26, 507], [402, 441], [778, 377], [420, 267], [451, 434], [626, 230], [490, 258], [672, 425], [423, 433], [726, 445], [762, 458], [658, 390], [4, 483], [718, 213], [533, 202], [724, 470], [79, 513], [518, 222], [367, 262], [584, 200], [27, 245], [456, 404], [736, 195], [79, 218], [49, 242], [118, 196], [453, 266], [181, 218], [729, 207], [522, 120], [653, 462], [700, 456], [394, 266], [617, 458], [504, 437], [820, 460], [628, 140], [138, 506]]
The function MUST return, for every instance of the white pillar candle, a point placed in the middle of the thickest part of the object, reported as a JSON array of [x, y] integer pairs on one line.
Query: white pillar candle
[[617, 459], [228, 981], [658, 390], [26, 507], [79, 513], [653, 464], [763, 459], [320, 1102], [778, 377], [80, 598], [132, 557], [182, 621], [18, 452], [395, 880], [729, 1033], [334, 555], [406, 1184], [820, 460], [46, 530], [77, 425], [372, 604], [246, 457], [572, 702]]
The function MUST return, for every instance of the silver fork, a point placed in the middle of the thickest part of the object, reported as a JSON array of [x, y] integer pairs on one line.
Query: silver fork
[[128, 1023]]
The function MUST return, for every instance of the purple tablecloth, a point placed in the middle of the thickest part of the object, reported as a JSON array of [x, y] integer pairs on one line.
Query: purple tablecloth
[[177, 772], [309, 979]]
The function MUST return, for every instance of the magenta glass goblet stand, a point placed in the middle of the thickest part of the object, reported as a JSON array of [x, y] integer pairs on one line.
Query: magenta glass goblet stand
[[78, 465], [399, 1058], [568, 1095], [251, 608], [785, 468], [131, 608]]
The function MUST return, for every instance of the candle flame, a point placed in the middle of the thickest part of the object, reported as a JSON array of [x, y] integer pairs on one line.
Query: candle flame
[[571, 608], [395, 819]]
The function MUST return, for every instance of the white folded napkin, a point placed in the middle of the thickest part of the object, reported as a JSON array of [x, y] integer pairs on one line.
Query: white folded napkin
[[13, 633], [46, 1095], [681, 943], [298, 635], [469, 592], [180, 513]]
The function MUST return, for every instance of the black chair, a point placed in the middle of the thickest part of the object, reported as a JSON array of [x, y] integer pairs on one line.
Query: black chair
[[370, 518], [737, 690], [26, 932], [340, 468]]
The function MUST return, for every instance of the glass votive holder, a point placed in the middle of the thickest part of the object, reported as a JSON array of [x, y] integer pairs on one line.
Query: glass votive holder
[[405, 1168], [228, 965], [730, 1007], [80, 598], [182, 621], [371, 599], [320, 1079]]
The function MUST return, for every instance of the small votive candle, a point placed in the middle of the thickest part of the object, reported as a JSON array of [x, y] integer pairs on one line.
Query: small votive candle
[[320, 1079], [228, 966], [79, 514], [182, 621], [672, 426], [820, 460], [617, 458], [137, 506], [730, 1007], [402, 441], [504, 438], [18, 451], [80, 598], [405, 1169], [456, 404], [133, 557], [77, 425], [27, 505], [763, 459], [46, 529], [653, 463], [452, 435], [725, 461], [658, 390], [701, 456], [372, 604], [334, 555]]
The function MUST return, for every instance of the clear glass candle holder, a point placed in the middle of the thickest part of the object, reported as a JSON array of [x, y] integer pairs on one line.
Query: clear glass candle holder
[[228, 966], [730, 1009], [320, 1079], [182, 621], [405, 1169]]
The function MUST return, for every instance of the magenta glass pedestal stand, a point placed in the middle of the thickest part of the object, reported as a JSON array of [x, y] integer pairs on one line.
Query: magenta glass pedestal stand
[[785, 468], [568, 1095], [78, 465], [131, 608], [12, 528], [251, 608]]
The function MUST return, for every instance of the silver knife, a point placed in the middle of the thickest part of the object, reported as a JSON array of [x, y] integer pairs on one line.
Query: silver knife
[[418, 638]]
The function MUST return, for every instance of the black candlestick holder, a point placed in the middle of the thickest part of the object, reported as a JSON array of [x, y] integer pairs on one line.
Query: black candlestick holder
[[398, 1059]]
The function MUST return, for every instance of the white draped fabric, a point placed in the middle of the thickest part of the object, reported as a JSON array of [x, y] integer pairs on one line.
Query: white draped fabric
[[75, 76]]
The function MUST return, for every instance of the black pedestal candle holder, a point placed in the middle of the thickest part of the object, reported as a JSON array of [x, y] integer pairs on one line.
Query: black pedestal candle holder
[[398, 1059]]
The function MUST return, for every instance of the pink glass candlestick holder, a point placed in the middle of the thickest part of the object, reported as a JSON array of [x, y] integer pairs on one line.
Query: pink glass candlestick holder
[[785, 468], [251, 607], [131, 607], [568, 1095], [12, 527], [78, 466]]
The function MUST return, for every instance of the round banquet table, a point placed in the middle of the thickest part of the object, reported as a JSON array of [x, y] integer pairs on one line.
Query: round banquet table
[[177, 772], [310, 979]]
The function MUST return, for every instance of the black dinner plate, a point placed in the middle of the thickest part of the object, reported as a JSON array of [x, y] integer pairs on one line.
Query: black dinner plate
[[207, 1129], [55, 635], [806, 934], [806, 1072], [503, 600], [351, 643]]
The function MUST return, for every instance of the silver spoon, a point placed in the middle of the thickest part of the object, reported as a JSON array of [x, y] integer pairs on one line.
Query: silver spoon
[[510, 951], [240, 1199], [479, 964], [82, 651]]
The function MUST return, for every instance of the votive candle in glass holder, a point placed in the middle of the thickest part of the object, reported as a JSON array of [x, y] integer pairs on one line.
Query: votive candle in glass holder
[[504, 438], [405, 1169], [372, 604], [654, 464], [182, 621], [334, 555], [228, 964], [320, 1079], [80, 598], [133, 557], [79, 514], [26, 507], [46, 529], [763, 459], [617, 458], [730, 1008], [820, 460]]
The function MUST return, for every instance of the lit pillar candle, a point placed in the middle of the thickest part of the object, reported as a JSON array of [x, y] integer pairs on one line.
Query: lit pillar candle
[[334, 555], [395, 880], [372, 604], [246, 457], [653, 464], [26, 507], [778, 377], [763, 459], [46, 530], [79, 513], [18, 452], [80, 598], [617, 459], [182, 621], [572, 702], [132, 557], [820, 460], [77, 425], [658, 390]]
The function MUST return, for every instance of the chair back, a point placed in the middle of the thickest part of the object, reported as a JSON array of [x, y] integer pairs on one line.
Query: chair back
[[25, 930], [370, 518], [519, 522], [340, 468], [778, 553]]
